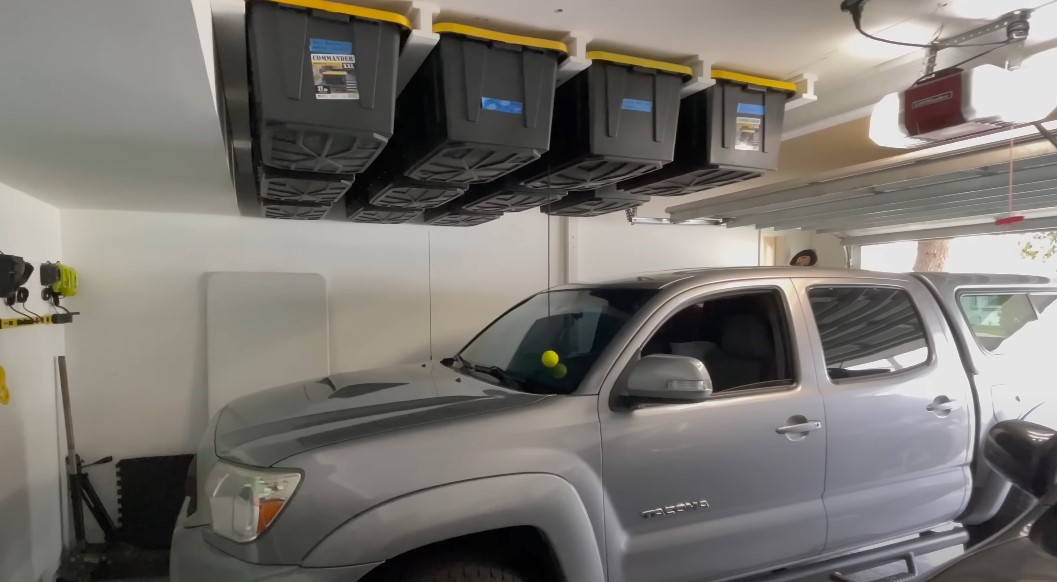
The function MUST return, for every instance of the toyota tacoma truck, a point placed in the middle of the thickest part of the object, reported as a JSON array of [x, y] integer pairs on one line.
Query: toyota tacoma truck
[[754, 423]]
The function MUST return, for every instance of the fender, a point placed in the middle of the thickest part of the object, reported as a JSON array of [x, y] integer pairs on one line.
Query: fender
[[540, 500]]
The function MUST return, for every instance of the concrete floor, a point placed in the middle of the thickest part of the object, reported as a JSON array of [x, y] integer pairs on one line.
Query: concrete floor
[[925, 563]]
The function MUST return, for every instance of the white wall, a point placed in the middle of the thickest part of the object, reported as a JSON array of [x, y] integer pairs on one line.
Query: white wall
[[31, 475], [137, 355], [608, 247], [396, 294]]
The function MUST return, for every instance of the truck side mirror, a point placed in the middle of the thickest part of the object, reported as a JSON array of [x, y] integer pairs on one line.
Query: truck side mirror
[[1025, 453], [668, 377]]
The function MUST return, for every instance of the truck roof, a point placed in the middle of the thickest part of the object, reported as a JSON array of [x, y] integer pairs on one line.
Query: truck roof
[[942, 281]]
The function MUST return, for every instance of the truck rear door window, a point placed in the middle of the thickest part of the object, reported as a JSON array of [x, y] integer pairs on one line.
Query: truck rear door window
[[868, 331], [1005, 322]]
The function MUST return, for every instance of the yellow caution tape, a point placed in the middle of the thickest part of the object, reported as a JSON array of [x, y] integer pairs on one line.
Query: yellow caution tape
[[640, 62], [752, 80], [473, 31], [55, 318], [5, 394], [357, 11]]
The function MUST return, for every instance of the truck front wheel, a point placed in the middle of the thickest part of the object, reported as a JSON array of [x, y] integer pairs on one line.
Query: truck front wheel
[[459, 570]]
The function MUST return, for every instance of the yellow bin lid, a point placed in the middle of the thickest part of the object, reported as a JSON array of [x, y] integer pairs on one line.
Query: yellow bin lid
[[641, 62], [357, 11], [486, 34], [751, 80]]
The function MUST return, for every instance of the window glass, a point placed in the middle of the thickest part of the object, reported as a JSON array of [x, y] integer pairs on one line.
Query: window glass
[[575, 324], [868, 331], [743, 339], [996, 318]]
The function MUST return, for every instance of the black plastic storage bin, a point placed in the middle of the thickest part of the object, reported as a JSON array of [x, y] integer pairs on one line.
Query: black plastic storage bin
[[385, 185], [506, 195], [479, 107], [294, 211], [614, 121], [303, 187], [595, 203], [452, 215], [728, 133], [357, 210], [404, 192], [323, 82]]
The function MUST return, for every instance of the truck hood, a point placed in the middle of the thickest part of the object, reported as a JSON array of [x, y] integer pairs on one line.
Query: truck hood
[[266, 427]]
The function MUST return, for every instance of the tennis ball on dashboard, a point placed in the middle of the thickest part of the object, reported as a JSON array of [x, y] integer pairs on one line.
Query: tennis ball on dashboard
[[550, 358], [559, 371]]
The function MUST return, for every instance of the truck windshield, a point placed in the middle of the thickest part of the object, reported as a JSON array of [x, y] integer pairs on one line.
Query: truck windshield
[[548, 343]]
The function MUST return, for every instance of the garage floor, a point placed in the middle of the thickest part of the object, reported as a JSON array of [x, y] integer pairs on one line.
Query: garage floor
[[925, 563]]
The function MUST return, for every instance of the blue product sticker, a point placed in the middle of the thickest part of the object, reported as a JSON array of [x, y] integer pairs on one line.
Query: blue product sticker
[[637, 105], [502, 105], [750, 109], [332, 47]]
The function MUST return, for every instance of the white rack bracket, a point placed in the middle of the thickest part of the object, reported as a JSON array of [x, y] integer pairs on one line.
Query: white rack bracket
[[701, 80], [577, 60], [805, 91], [419, 43]]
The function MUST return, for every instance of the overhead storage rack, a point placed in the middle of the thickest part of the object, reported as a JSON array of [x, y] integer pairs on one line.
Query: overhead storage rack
[[617, 120], [507, 195], [323, 79], [479, 107], [595, 202], [727, 133]]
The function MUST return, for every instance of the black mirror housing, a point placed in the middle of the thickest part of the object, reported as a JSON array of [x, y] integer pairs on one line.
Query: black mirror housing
[[1025, 453]]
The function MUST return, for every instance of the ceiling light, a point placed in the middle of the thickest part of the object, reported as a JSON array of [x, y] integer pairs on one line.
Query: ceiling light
[[959, 103]]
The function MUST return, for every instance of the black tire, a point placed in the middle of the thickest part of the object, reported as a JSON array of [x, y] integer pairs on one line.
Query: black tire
[[1016, 503], [456, 569]]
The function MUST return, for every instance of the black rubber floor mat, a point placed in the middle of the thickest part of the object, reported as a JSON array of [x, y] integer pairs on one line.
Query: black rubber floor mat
[[150, 492]]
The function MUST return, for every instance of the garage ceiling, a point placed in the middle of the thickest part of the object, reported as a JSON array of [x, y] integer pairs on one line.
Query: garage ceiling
[[133, 124]]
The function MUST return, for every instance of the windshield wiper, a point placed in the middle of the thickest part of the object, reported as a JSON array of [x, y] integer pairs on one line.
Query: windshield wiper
[[499, 374], [496, 372]]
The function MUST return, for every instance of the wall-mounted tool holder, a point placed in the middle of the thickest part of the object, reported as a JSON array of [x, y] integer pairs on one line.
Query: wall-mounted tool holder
[[52, 319], [14, 273], [57, 281]]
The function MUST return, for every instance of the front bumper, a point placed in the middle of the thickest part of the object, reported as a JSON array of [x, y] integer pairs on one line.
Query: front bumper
[[194, 560]]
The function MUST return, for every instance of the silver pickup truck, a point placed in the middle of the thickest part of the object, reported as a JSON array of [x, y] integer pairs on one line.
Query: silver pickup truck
[[760, 423]]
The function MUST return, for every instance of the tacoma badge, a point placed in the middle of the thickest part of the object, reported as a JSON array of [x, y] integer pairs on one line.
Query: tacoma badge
[[677, 508]]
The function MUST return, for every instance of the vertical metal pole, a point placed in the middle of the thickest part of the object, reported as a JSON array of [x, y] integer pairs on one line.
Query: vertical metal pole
[[72, 462]]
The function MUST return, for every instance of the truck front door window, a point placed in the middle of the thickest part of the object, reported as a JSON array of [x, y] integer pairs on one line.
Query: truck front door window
[[742, 339], [868, 331]]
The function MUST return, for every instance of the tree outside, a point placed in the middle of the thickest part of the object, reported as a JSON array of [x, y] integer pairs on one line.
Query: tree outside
[[1042, 246], [932, 255]]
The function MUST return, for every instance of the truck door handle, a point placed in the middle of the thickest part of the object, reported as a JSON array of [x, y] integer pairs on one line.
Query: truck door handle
[[943, 405], [803, 427]]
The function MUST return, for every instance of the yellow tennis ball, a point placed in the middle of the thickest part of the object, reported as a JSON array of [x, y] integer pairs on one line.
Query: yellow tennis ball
[[559, 371], [549, 358]]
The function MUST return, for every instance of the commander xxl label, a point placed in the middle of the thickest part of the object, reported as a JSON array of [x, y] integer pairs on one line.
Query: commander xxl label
[[333, 69]]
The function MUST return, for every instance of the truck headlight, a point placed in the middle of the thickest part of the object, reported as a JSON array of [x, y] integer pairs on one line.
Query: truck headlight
[[244, 502]]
